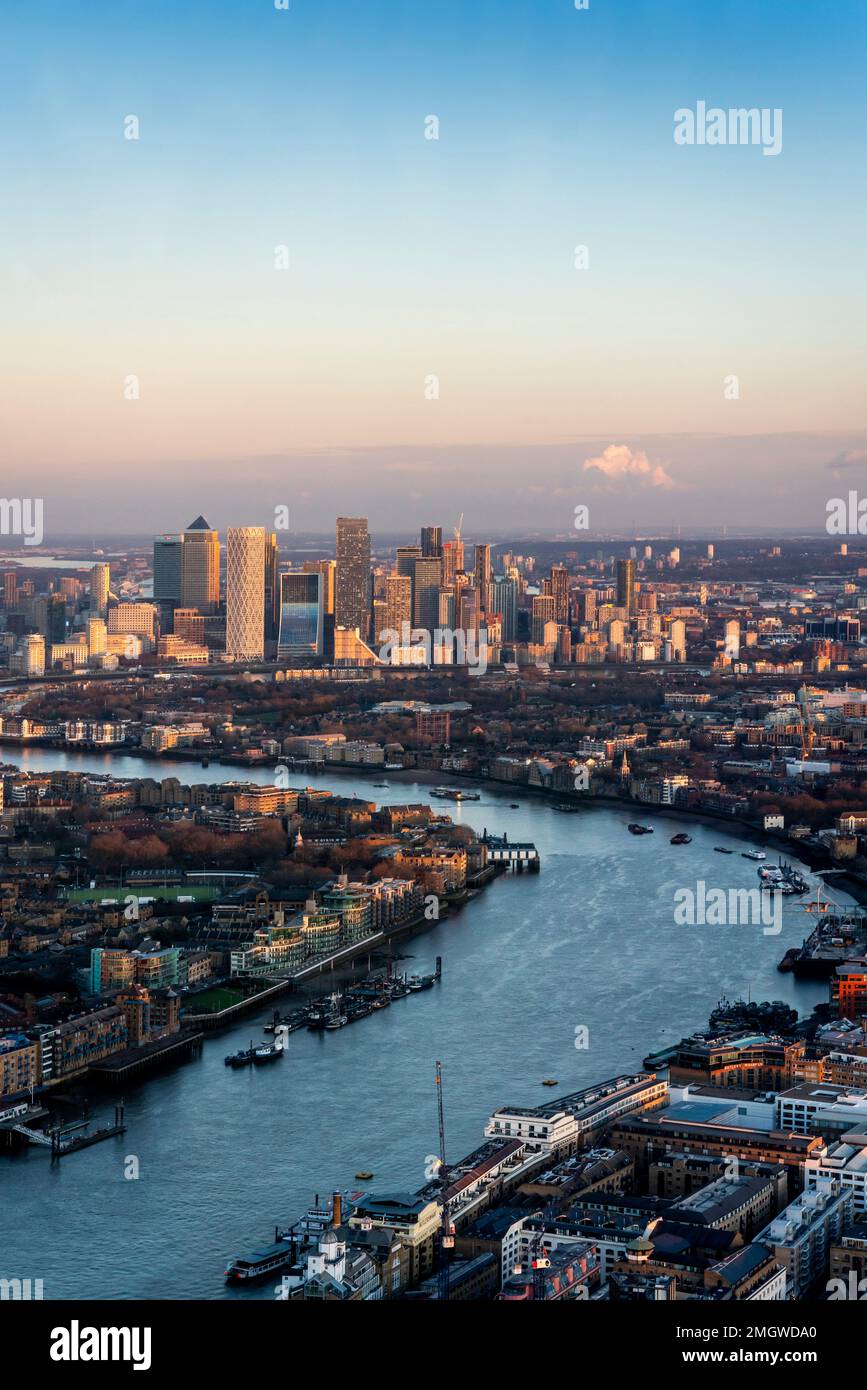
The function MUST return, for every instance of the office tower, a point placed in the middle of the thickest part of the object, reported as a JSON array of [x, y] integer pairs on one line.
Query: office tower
[[733, 639], [426, 584], [55, 618], [70, 588], [137, 618], [34, 650], [432, 541], [558, 588], [504, 600], [397, 607], [446, 609], [97, 637], [190, 626], [168, 577], [99, 587], [626, 585], [586, 604], [674, 557], [677, 638], [302, 618], [467, 610], [453, 559], [200, 567], [328, 570], [272, 588], [710, 552], [245, 593], [543, 612], [10, 589], [352, 583], [482, 571]]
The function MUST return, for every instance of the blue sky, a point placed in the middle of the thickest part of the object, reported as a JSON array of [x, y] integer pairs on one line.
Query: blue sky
[[411, 258]]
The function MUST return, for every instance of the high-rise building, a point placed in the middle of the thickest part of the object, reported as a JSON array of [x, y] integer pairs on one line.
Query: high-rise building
[[302, 617], [168, 577], [626, 585], [426, 583], [397, 608], [245, 593], [272, 588], [328, 570], [352, 585], [432, 541], [504, 600], [453, 559], [55, 618], [200, 571], [543, 612], [733, 639], [482, 569], [558, 587], [99, 589], [97, 637], [677, 638]]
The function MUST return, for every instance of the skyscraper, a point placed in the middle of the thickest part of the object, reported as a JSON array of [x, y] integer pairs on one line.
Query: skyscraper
[[200, 572], [626, 585], [559, 589], [397, 608], [482, 567], [99, 589], [426, 582], [352, 586], [272, 588], [245, 593], [432, 541], [302, 617], [504, 600], [168, 577]]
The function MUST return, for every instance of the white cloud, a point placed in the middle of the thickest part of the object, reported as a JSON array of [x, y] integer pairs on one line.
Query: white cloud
[[618, 461]]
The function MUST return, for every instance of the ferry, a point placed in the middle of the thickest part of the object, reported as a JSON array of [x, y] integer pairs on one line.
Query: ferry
[[753, 854], [260, 1264], [456, 794], [635, 829]]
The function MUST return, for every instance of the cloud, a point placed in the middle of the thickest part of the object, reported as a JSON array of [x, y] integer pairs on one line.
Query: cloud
[[850, 458], [618, 462]]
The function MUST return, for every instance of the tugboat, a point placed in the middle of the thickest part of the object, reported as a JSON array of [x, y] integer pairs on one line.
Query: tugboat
[[316, 1020], [681, 839], [635, 829]]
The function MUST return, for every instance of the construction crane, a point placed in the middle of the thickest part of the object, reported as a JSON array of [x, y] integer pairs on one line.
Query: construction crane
[[458, 528], [447, 1239]]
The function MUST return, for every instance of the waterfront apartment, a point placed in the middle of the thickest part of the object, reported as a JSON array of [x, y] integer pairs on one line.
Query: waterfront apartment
[[801, 1236], [572, 1121]]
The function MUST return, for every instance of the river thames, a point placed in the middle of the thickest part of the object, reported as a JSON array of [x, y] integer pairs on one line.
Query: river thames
[[589, 943]]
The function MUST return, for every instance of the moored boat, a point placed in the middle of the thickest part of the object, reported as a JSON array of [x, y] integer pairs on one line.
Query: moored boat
[[260, 1264]]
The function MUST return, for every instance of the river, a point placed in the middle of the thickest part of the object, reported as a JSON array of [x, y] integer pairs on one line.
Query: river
[[591, 943]]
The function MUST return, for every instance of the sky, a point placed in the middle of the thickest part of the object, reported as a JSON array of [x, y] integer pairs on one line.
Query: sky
[[431, 345]]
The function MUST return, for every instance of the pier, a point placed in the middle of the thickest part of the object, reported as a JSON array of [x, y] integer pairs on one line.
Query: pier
[[519, 857]]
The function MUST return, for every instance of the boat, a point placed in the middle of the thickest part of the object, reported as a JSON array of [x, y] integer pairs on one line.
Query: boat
[[363, 1176], [380, 784], [206, 762], [269, 1052], [635, 829], [681, 839], [513, 806], [243, 1058], [753, 854], [316, 1020], [456, 794], [549, 1081], [417, 982], [336, 1021], [720, 849], [260, 1264]]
